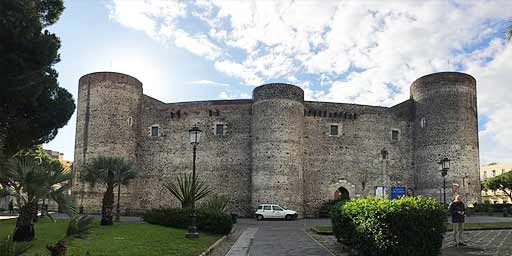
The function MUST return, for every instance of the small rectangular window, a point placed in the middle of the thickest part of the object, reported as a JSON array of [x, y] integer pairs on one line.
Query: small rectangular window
[[334, 130], [266, 208], [395, 135], [260, 207], [155, 131], [219, 129], [277, 208]]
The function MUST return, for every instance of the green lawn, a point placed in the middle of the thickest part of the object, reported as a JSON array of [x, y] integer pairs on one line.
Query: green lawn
[[123, 238], [327, 230]]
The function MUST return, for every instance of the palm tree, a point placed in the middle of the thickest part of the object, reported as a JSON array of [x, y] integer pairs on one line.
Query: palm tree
[[29, 182], [124, 174], [105, 170], [187, 190]]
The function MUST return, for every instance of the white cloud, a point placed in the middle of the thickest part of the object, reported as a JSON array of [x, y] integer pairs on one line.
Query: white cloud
[[208, 82], [224, 95], [367, 52], [197, 44], [238, 70]]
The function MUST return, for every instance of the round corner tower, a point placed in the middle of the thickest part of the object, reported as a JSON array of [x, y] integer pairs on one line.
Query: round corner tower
[[108, 117], [446, 125], [277, 146]]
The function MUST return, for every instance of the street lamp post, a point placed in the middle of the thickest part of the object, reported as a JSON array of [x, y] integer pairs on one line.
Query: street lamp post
[[444, 166], [195, 134]]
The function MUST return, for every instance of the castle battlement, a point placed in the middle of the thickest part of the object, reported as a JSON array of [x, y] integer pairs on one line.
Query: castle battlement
[[277, 147]]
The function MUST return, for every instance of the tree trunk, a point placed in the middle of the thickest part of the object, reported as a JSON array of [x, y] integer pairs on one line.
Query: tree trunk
[[118, 213], [35, 210], [106, 209], [24, 231]]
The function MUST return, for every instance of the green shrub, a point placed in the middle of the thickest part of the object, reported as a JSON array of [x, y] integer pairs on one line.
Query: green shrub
[[11, 248], [216, 202], [209, 220], [79, 226], [378, 226]]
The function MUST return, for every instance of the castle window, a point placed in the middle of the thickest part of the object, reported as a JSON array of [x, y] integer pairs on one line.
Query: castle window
[[130, 121], [423, 122], [334, 131], [219, 129], [395, 135], [494, 173], [155, 131], [485, 174]]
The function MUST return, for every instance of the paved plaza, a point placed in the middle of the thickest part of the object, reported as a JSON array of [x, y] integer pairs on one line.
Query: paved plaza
[[295, 238]]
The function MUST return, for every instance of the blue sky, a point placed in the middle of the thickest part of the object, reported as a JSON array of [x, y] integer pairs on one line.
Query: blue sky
[[366, 52]]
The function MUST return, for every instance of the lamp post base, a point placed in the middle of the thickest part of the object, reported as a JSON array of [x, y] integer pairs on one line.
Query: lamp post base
[[192, 229], [190, 235]]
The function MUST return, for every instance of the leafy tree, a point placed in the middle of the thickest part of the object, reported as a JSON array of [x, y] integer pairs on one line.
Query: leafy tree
[[106, 171], [31, 181], [187, 190], [509, 32], [123, 175], [501, 182], [32, 105]]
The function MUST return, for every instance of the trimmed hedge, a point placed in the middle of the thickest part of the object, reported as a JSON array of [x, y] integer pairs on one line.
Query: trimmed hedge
[[212, 221], [378, 226], [492, 207]]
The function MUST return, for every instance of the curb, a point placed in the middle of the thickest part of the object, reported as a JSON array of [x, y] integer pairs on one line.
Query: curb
[[328, 233], [213, 246]]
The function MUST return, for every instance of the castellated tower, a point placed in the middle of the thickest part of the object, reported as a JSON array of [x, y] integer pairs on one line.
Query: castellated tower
[[277, 145], [446, 125], [107, 120]]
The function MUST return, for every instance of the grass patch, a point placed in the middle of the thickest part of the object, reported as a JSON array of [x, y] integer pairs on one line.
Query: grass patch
[[327, 229], [484, 226], [123, 238]]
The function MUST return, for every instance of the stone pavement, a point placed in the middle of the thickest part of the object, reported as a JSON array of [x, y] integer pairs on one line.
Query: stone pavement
[[243, 244], [275, 237], [283, 238], [484, 242], [295, 238]]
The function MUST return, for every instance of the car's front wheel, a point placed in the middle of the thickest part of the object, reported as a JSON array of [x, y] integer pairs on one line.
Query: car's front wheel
[[259, 217], [288, 217]]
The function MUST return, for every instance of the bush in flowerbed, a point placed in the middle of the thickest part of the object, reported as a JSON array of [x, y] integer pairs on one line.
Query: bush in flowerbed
[[212, 221], [381, 227]]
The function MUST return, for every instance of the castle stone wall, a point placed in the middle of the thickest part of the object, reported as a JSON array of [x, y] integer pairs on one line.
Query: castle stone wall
[[108, 123], [222, 160], [446, 105], [276, 147], [355, 156]]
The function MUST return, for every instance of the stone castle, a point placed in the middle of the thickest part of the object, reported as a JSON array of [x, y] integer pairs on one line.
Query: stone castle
[[277, 147]]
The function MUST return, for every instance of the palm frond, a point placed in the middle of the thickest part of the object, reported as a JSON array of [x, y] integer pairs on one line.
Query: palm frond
[[187, 190], [79, 226]]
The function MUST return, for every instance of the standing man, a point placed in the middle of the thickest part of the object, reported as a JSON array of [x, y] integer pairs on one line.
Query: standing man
[[458, 211], [11, 207]]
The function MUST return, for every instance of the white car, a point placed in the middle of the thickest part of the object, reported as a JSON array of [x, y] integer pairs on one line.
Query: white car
[[274, 211]]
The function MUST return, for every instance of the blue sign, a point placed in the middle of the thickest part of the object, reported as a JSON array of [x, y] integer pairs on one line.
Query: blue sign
[[397, 192]]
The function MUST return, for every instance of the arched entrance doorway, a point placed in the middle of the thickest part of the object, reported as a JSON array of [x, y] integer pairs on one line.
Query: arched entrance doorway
[[341, 194]]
